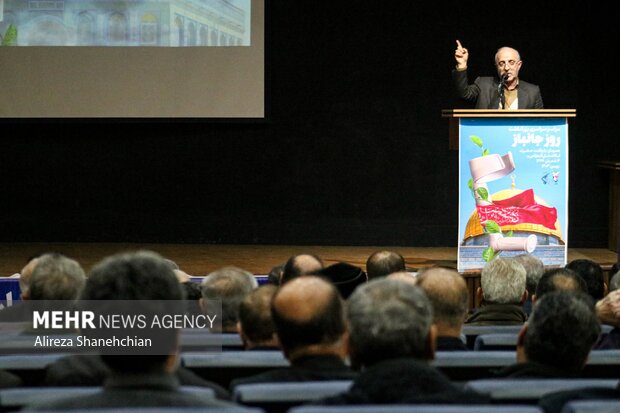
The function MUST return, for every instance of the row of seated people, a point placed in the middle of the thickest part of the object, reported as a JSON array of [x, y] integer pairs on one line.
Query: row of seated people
[[390, 331]]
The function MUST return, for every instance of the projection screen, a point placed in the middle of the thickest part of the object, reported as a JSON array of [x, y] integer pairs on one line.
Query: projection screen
[[132, 59]]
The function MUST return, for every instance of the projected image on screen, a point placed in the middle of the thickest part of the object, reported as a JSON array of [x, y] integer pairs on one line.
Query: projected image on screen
[[163, 23]]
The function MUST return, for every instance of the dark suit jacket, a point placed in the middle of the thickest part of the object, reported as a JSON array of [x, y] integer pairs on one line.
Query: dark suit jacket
[[309, 368], [497, 314], [135, 390], [405, 381], [484, 92], [533, 370], [445, 343]]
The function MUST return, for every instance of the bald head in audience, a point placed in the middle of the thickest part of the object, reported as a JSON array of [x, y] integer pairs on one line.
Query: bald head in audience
[[559, 279], [302, 264], [447, 291], [382, 263], [309, 317]]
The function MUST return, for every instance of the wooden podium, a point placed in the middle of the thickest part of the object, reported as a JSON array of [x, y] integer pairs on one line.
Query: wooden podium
[[455, 115], [513, 184]]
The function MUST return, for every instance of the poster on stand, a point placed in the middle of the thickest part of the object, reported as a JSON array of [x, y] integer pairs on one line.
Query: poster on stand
[[513, 190]]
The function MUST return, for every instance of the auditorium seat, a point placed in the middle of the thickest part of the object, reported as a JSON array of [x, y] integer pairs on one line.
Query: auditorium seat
[[279, 397], [228, 365], [29, 367], [506, 341], [232, 409], [592, 406], [418, 408], [471, 332], [531, 390], [17, 398], [201, 340], [471, 365], [602, 364]]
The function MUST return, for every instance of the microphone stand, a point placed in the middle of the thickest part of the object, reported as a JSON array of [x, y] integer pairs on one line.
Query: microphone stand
[[500, 91]]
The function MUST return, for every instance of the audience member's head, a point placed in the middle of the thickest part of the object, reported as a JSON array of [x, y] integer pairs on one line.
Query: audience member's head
[[193, 294], [173, 265], [309, 317], [390, 319], [345, 277], [55, 277], [559, 279], [592, 273], [560, 332], [298, 265], [382, 263], [229, 285], [141, 275], [614, 282], [534, 269], [502, 281], [403, 276], [275, 274], [26, 275], [447, 291], [255, 325]]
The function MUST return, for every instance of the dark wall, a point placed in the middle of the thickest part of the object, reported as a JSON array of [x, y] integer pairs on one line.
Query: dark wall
[[354, 150]]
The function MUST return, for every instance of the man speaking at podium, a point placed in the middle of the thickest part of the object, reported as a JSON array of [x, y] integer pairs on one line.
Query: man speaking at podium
[[506, 91]]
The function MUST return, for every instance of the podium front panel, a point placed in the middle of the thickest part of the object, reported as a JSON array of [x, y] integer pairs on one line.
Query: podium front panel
[[513, 190]]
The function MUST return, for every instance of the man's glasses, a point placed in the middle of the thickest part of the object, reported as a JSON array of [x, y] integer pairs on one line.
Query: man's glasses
[[510, 63]]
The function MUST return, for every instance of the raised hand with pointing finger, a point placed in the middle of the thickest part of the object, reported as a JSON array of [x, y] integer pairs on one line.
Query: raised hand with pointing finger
[[461, 55]]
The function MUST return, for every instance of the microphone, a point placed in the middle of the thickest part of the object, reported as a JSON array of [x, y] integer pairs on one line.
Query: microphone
[[500, 90]]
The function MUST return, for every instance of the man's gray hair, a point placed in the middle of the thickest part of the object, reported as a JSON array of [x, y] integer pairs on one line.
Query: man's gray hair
[[230, 285], [503, 281], [534, 269], [388, 319], [56, 277]]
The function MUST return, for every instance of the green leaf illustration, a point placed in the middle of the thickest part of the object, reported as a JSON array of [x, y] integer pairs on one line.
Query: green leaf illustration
[[483, 193], [10, 37], [470, 184], [508, 234], [485, 152], [488, 254], [476, 140], [491, 227]]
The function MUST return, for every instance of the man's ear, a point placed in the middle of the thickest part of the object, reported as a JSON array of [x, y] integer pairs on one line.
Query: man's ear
[[479, 294], [521, 357], [524, 297], [431, 343]]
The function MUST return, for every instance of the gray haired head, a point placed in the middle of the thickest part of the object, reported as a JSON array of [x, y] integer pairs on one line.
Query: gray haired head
[[503, 281], [389, 319]]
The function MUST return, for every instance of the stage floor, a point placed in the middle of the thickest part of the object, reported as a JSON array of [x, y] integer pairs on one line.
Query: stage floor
[[200, 259]]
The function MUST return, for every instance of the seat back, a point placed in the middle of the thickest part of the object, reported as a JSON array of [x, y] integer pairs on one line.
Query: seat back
[[506, 341], [531, 390], [418, 408], [223, 367], [279, 397], [592, 406]]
